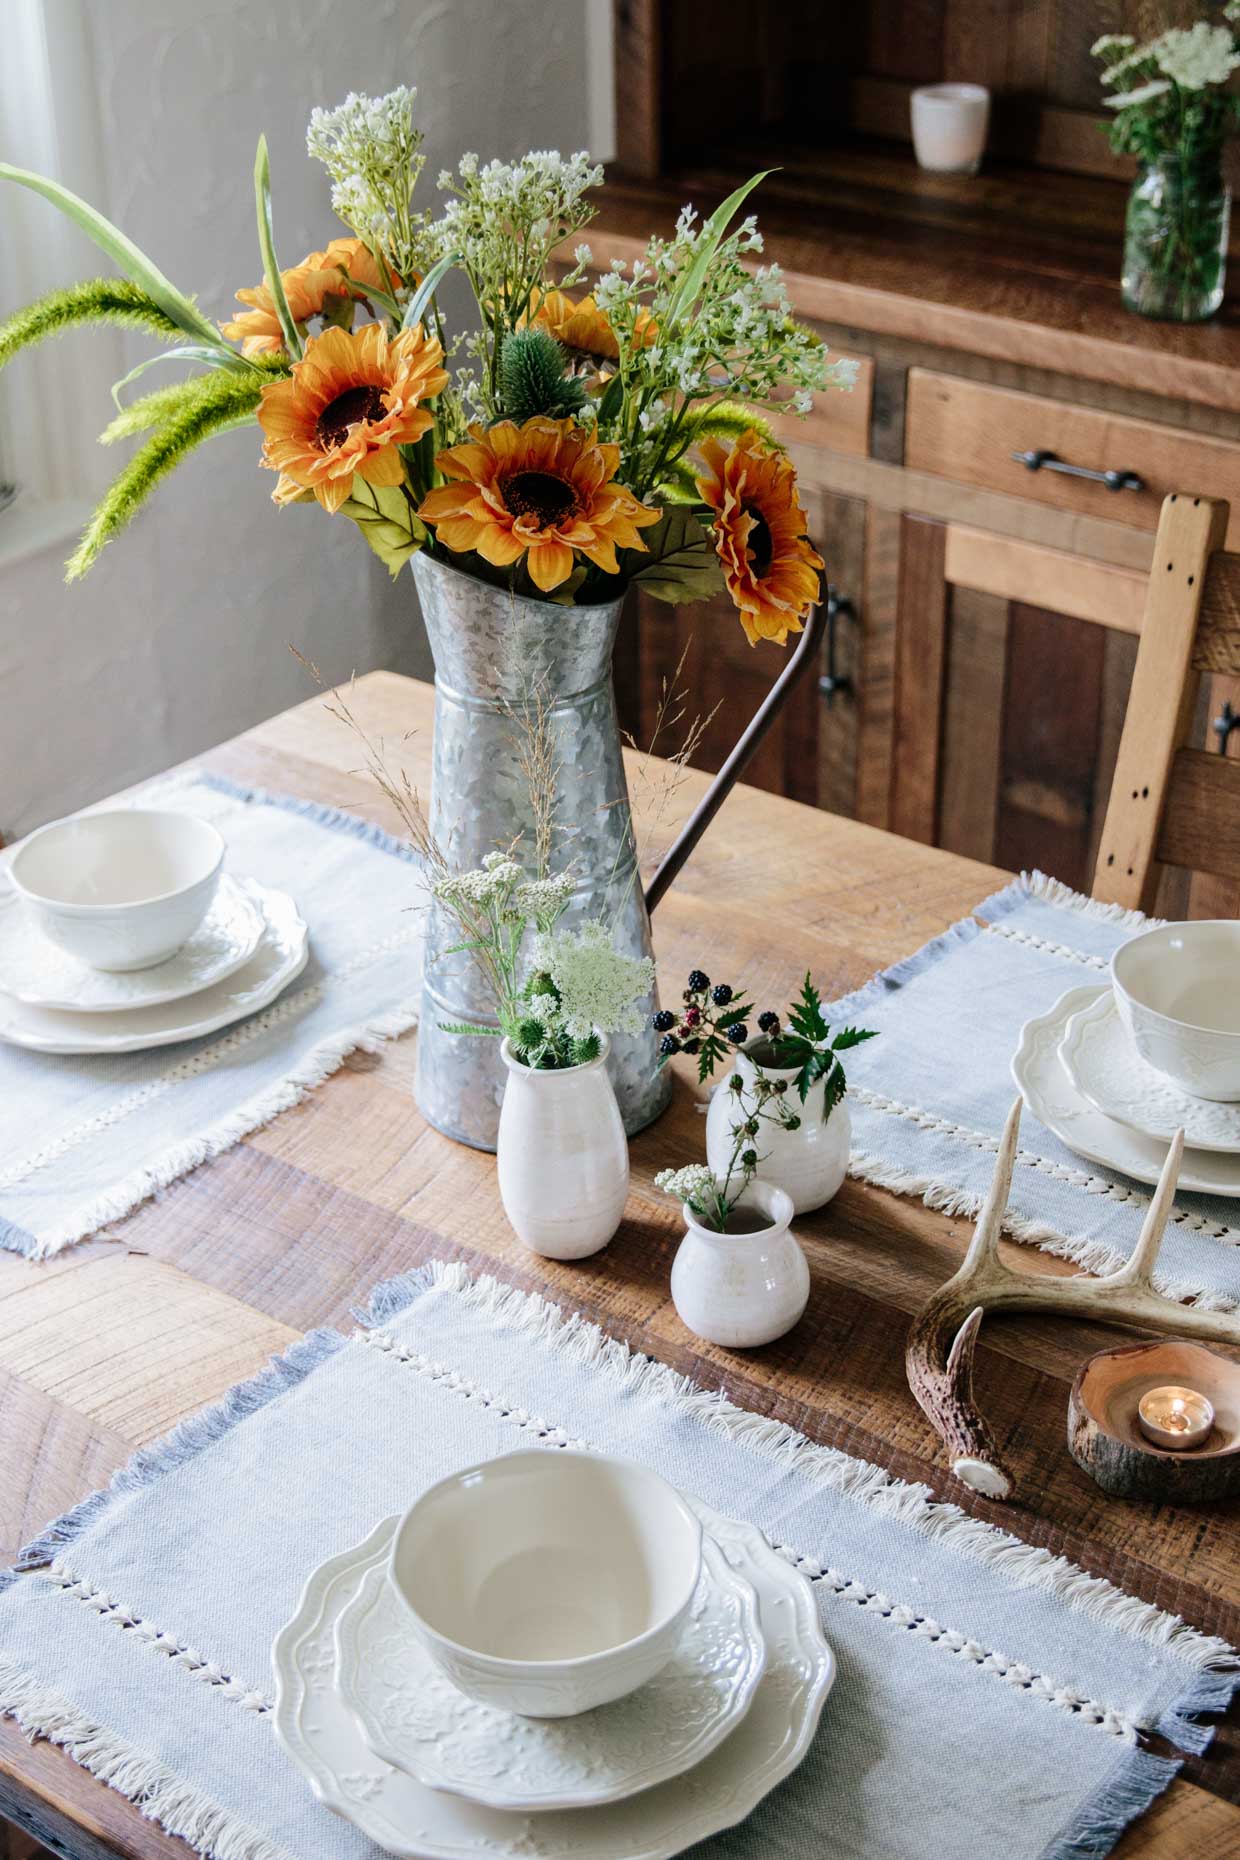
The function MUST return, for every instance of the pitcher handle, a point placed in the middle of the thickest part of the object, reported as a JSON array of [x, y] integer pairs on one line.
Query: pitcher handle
[[728, 776]]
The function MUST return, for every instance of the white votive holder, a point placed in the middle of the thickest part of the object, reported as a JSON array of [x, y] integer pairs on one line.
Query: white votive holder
[[949, 127]]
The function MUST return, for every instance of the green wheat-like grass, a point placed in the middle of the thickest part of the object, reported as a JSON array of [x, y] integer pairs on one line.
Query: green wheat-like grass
[[189, 414], [99, 300]]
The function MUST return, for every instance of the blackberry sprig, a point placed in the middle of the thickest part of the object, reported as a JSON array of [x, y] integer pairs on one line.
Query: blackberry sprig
[[710, 1025]]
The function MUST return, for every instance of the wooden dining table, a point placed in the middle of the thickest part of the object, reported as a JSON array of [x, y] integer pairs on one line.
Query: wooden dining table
[[110, 1343]]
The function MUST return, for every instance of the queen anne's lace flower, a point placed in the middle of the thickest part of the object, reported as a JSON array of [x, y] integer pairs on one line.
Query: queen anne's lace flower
[[693, 1184], [1204, 54], [599, 988]]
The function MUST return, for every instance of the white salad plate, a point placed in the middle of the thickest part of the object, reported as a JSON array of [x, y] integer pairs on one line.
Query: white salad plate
[[413, 1717], [1049, 1092], [280, 956], [1106, 1068], [322, 1736], [33, 970]]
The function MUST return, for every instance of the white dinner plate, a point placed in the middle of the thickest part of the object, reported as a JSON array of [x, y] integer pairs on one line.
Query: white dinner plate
[[1055, 1101], [320, 1733], [35, 971], [1106, 1068], [413, 1717], [281, 956]]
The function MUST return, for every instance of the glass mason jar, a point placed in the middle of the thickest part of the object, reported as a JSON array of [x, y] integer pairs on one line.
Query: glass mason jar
[[1175, 237]]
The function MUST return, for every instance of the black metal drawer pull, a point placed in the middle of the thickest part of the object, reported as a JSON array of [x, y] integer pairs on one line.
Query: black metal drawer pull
[[1113, 480], [831, 680]]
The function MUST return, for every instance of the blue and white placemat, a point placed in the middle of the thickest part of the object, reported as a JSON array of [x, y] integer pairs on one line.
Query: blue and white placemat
[[990, 1700], [929, 1099], [83, 1140]]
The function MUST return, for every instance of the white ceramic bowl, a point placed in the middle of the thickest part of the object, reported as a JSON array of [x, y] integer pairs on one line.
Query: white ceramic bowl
[[1177, 990], [120, 889], [550, 1581]]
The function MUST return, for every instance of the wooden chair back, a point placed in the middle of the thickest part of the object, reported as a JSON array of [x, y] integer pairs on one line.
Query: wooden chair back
[[1170, 804]]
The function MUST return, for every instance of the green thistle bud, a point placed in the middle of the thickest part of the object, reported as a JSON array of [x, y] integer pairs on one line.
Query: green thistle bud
[[532, 378]]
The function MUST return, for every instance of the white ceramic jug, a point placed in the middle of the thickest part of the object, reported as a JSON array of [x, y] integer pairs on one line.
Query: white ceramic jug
[[562, 1157], [809, 1162], [742, 1289]]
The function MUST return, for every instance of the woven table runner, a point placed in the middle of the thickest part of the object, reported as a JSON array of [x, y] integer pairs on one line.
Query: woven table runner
[[930, 1098], [84, 1139], [990, 1696]]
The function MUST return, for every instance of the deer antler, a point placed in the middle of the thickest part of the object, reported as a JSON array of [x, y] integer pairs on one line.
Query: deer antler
[[938, 1358]]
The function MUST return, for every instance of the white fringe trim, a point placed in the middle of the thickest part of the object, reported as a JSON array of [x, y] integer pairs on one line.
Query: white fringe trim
[[1025, 1565], [1054, 891], [316, 1066], [155, 1791]]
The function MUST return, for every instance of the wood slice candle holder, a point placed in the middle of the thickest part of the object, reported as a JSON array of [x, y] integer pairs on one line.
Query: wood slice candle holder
[[1104, 1434]]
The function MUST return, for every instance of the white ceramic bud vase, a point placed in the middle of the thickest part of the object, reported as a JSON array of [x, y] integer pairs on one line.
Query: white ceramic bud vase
[[742, 1289], [809, 1162], [562, 1157]]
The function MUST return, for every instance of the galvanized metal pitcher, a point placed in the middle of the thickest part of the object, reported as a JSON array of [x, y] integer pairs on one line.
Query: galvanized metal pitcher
[[497, 655]]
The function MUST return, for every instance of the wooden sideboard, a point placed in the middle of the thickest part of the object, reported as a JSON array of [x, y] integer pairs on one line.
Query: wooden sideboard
[[987, 616], [988, 613]]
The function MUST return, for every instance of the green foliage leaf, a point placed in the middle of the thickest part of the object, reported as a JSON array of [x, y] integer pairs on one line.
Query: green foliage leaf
[[566, 594], [187, 352], [382, 514], [267, 245], [713, 234], [420, 301], [682, 565], [852, 1036], [805, 1014], [136, 266]]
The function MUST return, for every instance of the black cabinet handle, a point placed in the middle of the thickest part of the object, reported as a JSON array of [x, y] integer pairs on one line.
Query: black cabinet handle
[[831, 680], [1113, 480]]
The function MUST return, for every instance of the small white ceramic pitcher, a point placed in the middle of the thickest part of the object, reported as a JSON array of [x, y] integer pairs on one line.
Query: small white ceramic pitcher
[[809, 1162], [742, 1289], [562, 1157]]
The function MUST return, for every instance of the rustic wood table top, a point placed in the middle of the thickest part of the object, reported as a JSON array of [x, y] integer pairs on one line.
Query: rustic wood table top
[[108, 1345]]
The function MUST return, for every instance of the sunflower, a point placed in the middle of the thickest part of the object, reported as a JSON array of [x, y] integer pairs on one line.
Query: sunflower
[[541, 490], [769, 564], [344, 271], [583, 328], [351, 402]]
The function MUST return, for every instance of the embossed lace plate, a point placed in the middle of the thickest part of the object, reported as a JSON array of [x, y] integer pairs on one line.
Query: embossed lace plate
[[322, 1736], [414, 1718], [280, 957], [34, 971], [1106, 1068], [1055, 1101]]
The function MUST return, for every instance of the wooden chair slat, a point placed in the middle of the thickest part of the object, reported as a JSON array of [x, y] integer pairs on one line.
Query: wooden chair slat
[[1201, 822], [1162, 700], [1217, 647]]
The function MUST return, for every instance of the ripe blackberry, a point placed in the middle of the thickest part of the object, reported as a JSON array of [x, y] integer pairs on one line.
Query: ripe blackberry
[[698, 982], [721, 995], [769, 1022], [663, 1020], [738, 1032], [668, 1045]]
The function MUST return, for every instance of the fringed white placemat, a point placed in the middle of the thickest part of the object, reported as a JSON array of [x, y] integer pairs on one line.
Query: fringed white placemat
[[929, 1099], [992, 1698], [83, 1140]]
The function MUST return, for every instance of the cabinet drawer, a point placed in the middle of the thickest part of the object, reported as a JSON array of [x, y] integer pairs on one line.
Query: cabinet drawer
[[969, 431]]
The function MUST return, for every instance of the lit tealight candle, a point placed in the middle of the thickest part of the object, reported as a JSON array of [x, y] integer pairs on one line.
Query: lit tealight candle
[[1175, 1418]]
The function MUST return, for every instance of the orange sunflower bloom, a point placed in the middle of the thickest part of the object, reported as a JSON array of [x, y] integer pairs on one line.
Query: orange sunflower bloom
[[344, 270], [543, 490], [769, 564], [583, 328], [349, 404]]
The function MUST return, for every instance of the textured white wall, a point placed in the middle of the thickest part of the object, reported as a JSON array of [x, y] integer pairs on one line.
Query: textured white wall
[[178, 637]]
